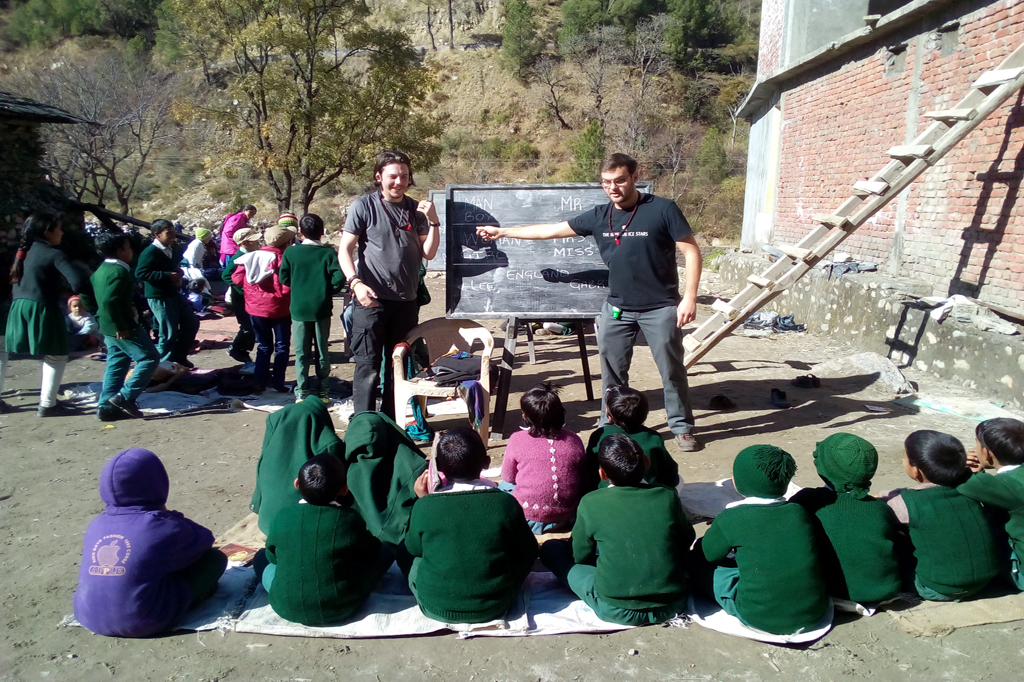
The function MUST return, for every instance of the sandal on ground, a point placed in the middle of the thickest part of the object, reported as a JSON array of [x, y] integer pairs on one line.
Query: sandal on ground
[[807, 381]]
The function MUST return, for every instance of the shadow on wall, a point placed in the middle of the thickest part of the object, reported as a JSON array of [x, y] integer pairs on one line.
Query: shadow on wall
[[977, 232]]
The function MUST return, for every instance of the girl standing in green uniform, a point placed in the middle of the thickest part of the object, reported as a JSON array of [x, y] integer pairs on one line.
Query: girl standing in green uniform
[[35, 324]]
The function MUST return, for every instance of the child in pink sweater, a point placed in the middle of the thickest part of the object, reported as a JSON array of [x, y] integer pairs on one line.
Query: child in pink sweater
[[544, 463]]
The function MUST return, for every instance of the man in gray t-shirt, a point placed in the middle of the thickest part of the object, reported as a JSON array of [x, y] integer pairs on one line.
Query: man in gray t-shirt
[[394, 233]]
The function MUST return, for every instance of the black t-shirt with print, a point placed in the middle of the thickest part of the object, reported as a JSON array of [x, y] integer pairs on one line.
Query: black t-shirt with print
[[642, 268]]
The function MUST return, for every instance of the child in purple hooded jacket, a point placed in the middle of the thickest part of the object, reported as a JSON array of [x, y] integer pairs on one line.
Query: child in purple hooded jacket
[[142, 565]]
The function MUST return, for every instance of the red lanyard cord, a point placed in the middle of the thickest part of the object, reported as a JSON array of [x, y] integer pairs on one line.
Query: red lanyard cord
[[611, 207], [391, 218]]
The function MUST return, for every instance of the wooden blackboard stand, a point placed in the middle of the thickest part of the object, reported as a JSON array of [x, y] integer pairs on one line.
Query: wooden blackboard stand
[[508, 357]]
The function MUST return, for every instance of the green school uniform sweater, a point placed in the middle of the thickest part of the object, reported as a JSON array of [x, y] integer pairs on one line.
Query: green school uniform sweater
[[155, 268], [474, 548], [323, 557], [1006, 491], [113, 286], [237, 293], [313, 273], [780, 586], [638, 538], [952, 540], [856, 541], [663, 470]]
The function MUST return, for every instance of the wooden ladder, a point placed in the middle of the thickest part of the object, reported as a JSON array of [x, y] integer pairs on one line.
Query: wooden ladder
[[948, 128]]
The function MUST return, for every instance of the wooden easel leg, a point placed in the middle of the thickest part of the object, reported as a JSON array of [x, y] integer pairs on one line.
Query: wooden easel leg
[[581, 337], [528, 326], [508, 359]]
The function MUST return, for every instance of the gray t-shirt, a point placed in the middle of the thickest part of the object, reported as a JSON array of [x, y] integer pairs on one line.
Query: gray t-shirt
[[389, 244]]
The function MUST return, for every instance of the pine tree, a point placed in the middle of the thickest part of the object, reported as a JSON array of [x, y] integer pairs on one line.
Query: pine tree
[[587, 151], [519, 43]]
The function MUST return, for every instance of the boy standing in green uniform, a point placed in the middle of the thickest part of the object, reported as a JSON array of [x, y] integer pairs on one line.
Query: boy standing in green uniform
[[247, 239], [953, 545], [775, 584], [126, 340], [629, 544], [312, 271], [323, 562], [1001, 445], [173, 316], [856, 533]]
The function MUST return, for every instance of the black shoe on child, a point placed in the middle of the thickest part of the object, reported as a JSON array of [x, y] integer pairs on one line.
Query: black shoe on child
[[5, 407], [129, 408], [239, 356], [61, 409], [184, 362]]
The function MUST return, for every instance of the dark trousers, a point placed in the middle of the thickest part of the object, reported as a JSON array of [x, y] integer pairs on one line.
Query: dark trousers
[[272, 333], [376, 331], [202, 576], [245, 339]]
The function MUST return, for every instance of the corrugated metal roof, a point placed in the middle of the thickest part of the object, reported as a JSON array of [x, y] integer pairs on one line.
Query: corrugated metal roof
[[22, 109]]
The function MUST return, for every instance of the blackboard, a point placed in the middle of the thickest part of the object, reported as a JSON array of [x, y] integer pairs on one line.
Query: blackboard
[[438, 262], [549, 279]]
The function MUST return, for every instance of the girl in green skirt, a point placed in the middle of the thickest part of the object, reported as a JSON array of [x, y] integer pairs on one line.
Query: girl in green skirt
[[35, 323]]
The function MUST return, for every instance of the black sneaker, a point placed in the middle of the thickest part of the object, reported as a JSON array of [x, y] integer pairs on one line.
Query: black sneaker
[[58, 410], [5, 407], [130, 408], [185, 363], [239, 356], [108, 413]]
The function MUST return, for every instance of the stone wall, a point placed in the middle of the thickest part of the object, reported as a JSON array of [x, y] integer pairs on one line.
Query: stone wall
[[21, 152], [871, 312]]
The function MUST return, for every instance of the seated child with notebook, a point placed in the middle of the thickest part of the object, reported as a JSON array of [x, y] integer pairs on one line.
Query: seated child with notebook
[[142, 565], [629, 544], [627, 411], [1000, 445], [323, 562], [544, 465], [953, 546], [775, 582], [856, 533], [470, 545]]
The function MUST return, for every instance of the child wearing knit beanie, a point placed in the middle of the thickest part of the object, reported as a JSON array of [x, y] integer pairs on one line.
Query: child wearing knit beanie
[[775, 583], [856, 533]]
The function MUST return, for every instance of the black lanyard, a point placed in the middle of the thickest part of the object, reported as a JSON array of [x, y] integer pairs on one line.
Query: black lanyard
[[391, 219], [611, 207]]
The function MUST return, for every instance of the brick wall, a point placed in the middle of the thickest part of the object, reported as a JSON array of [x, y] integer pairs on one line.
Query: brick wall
[[964, 221], [769, 53]]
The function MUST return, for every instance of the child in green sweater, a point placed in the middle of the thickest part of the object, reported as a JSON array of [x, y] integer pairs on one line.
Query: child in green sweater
[[775, 582], [1000, 446], [856, 534], [953, 546], [629, 544], [320, 562], [159, 268], [470, 545], [627, 411], [312, 271]]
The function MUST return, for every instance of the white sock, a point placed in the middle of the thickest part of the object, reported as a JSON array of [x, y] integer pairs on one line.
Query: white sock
[[53, 372], [3, 361]]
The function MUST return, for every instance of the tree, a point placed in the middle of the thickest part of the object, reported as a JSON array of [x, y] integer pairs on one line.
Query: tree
[[699, 26], [519, 43], [587, 151], [554, 84], [313, 91], [712, 161], [130, 102], [597, 54]]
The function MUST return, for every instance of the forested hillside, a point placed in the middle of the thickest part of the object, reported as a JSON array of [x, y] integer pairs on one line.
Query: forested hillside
[[203, 105]]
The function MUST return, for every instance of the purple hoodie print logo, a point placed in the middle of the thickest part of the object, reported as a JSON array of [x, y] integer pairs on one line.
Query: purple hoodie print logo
[[105, 558]]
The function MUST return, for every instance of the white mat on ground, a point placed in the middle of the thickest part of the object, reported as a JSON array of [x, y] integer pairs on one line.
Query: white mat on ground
[[543, 607], [151, 404], [709, 614]]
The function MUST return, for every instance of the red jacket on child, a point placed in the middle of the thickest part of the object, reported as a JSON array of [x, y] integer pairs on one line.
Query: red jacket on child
[[257, 274]]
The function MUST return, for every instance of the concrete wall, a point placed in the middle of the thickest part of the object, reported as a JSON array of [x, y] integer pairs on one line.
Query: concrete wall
[[960, 227], [868, 311]]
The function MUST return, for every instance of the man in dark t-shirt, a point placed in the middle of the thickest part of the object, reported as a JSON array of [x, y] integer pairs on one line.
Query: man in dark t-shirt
[[638, 236], [394, 233]]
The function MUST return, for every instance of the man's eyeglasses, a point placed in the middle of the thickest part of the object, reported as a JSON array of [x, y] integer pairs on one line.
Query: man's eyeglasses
[[618, 182]]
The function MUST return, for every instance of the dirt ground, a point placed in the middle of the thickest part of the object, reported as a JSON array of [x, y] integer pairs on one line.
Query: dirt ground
[[49, 493]]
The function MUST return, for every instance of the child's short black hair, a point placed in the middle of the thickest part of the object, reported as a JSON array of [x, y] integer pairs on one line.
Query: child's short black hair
[[196, 285], [940, 457], [321, 479], [627, 407], [461, 454], [109, 243], [622, 459], [160, 225], [311, 226], [543, 411], [1004, 438]]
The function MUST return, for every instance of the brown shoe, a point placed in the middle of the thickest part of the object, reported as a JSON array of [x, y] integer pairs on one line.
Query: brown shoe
[[687, 443]]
